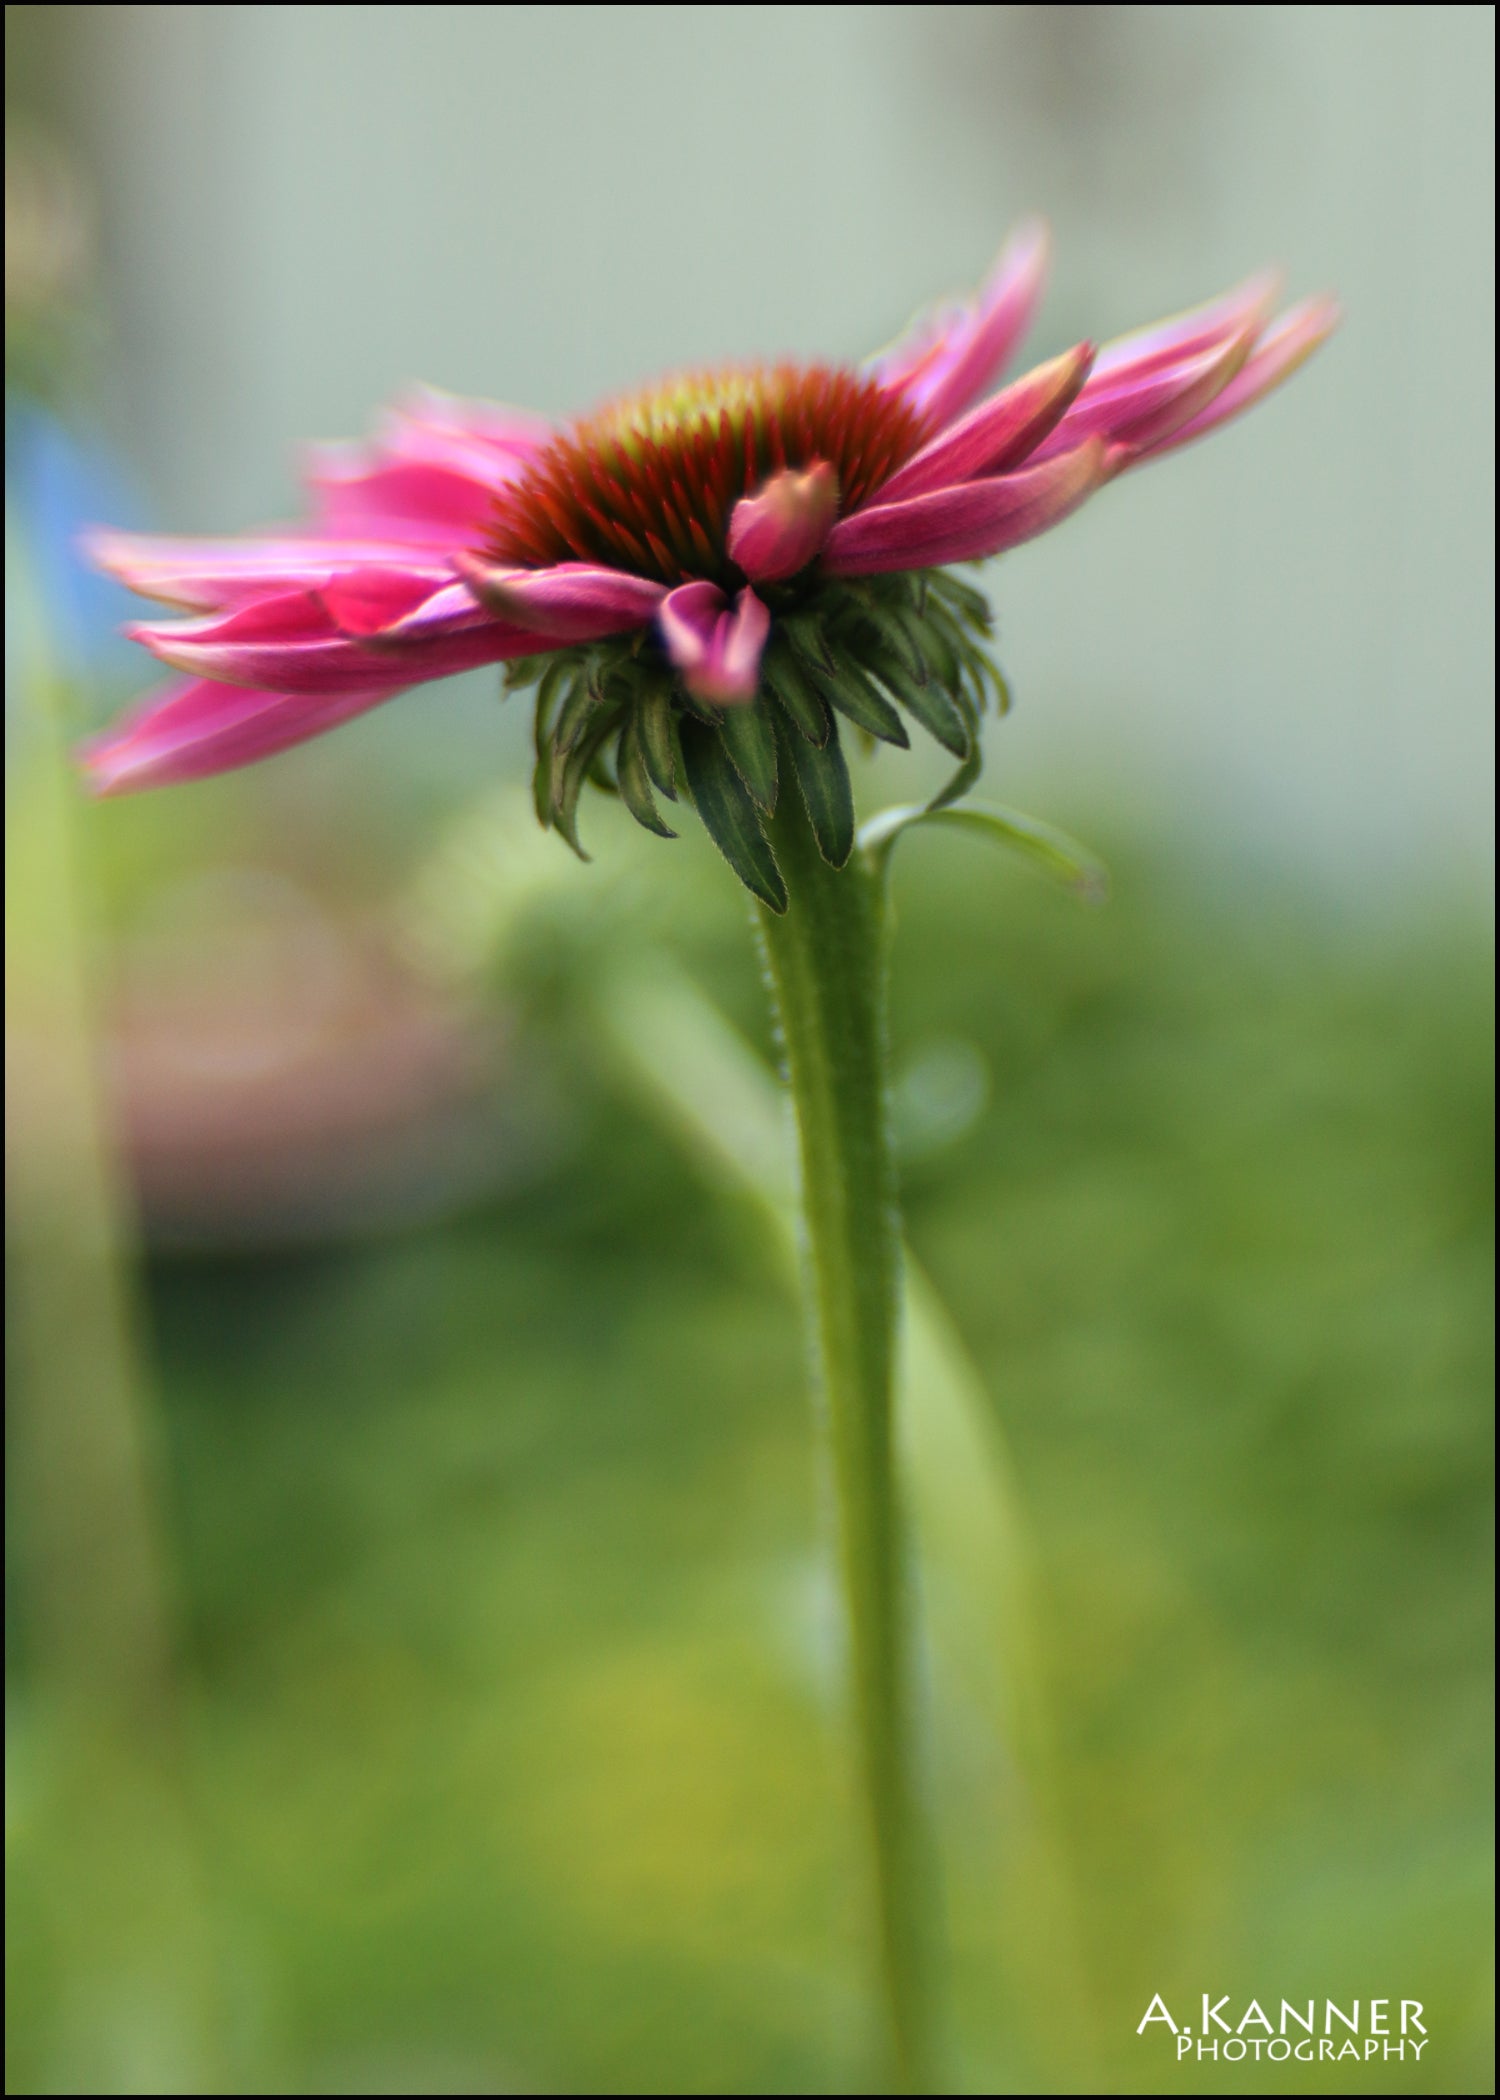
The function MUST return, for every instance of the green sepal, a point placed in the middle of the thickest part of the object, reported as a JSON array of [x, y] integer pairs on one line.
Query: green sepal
[[942, 655], [896, 633], [946, 632], [697, 710], [851, 692], [798, 696], [583, 705], [750, 740], [1047, 849], [805, 633], [929, 704], [541, 783], [633, 776], [729, 816], [972, 606], [654, 722], [976, 665], [612, 713], [823, 779], [568, 777], [555, 675]]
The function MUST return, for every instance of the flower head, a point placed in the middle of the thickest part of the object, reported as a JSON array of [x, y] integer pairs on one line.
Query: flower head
[[693, 574]]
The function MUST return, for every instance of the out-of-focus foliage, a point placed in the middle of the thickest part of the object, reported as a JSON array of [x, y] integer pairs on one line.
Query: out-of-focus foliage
[[501, 1565]]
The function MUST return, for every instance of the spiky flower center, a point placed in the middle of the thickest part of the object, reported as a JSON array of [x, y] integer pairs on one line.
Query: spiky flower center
[[648, 483]]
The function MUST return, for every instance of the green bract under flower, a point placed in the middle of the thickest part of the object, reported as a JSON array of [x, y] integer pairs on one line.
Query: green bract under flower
[[867, 655]]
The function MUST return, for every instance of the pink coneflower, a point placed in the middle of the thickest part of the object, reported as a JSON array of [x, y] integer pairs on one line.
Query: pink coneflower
[[699, 578]]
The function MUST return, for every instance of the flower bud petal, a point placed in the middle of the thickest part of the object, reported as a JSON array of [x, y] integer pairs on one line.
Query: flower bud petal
[[779, 529], [716, 652], [573, 601]]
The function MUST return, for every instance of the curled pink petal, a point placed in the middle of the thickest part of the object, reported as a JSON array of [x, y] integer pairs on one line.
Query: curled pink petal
[[968, 523], [1142, 409], [1276, 356], [449, 611], [573, 601], [941, 367], [1006, 306], [948, 357], [779, 529], [1184, 335], [198, 727], [212, 575], [999, 434], [715, 652], [294, 643]]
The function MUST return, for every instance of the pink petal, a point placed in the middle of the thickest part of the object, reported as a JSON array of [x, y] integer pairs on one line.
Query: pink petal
[[452, 610], [968, 523], [1142, 409], [477, 438], [492, 423], [1184, 335], [779, 529], [715, 652], [573, 601], [944, 364], [212, 575], [293, 643], [198, 727], [367, 602], [998, 434], [417, 501], [914, 354], [1280, 351]]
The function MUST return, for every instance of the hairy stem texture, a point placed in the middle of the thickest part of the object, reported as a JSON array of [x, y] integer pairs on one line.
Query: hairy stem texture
[[827, 962]]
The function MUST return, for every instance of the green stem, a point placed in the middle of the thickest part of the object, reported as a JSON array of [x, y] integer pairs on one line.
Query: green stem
[[827, 961]]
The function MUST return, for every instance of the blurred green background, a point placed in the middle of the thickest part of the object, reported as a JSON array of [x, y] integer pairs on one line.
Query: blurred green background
[[423, 1667]]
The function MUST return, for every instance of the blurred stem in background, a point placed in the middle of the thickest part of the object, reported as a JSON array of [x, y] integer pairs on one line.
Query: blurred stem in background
[[106, 1762], [827, 965]]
